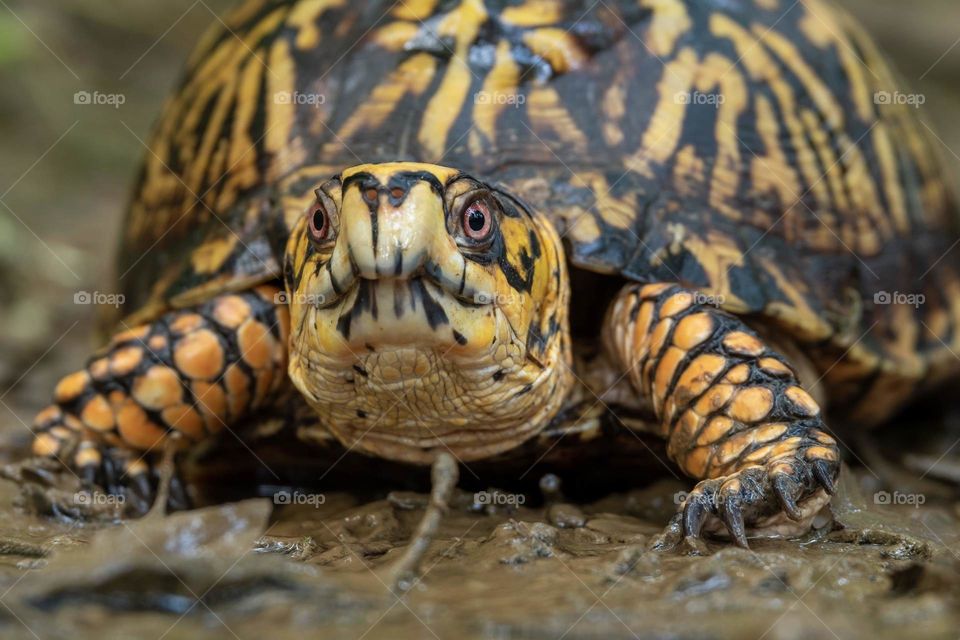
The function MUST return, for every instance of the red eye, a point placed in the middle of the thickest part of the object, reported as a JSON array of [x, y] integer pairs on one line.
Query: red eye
[[477, 220], [319, 222]]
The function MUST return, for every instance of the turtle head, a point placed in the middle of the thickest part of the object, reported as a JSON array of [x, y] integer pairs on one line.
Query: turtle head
[[428, 311]]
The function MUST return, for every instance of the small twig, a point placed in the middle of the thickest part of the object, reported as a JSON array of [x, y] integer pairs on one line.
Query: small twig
[[165, 473], [444, 475]]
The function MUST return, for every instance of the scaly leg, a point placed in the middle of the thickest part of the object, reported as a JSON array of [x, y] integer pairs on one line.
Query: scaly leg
[[732, 411], [191, 373]]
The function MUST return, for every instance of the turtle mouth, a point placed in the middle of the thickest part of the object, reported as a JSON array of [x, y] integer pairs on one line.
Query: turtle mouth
[[392, 304], [333, 290], [421, 311]]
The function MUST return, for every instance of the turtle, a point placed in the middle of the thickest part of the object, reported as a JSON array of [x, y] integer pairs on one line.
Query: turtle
[[440, 226]]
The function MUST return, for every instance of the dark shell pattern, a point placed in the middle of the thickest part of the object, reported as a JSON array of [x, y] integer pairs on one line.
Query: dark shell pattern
[[752, 149]]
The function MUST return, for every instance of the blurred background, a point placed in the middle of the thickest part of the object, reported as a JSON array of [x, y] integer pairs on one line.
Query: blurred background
[[66, 168]]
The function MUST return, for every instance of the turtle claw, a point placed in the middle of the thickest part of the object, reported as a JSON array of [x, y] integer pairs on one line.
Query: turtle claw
[[824, 475], [89, 475], [141, 493], [751, 497], [694, 515], [178, 498], [732, 516], [785, 489]]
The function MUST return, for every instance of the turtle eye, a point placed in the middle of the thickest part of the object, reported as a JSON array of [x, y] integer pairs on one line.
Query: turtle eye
[[319, 222], [477, 221]]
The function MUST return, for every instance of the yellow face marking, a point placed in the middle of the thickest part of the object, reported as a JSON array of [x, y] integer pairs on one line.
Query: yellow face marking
[[401, 297], [383, 171]]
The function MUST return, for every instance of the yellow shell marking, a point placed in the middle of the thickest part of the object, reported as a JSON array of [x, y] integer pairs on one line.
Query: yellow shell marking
[[498, 88], [441, 112]]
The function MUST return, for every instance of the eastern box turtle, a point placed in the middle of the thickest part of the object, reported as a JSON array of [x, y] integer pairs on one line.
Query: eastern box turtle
[[444, 222]]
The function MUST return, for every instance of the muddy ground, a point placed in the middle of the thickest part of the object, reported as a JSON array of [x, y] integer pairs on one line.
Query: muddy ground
[[252, 569]]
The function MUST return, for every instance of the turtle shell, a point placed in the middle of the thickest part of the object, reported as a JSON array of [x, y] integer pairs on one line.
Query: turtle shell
[[760, 151]]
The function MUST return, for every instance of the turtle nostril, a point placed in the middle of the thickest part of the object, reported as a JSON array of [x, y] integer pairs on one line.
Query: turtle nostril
[[370, 194], [397, 192]]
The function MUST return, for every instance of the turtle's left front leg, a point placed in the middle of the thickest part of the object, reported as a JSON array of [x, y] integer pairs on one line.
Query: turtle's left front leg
[[733, 413]]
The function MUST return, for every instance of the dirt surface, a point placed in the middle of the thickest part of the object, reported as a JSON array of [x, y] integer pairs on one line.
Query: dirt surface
[[249, 569], [252, 569]]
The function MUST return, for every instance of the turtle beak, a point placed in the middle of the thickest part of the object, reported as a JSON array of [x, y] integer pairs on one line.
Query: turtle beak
[[395, 230], [391, 231]]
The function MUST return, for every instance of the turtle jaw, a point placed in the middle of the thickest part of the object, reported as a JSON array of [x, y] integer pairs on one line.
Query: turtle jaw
[[392, 313], [402, 368]]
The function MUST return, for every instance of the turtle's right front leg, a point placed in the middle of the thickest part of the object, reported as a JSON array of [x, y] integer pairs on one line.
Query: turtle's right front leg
[[733, 412], [191, 372]]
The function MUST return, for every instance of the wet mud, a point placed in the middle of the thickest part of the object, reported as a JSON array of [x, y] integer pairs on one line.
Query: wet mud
[[319, 566]]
